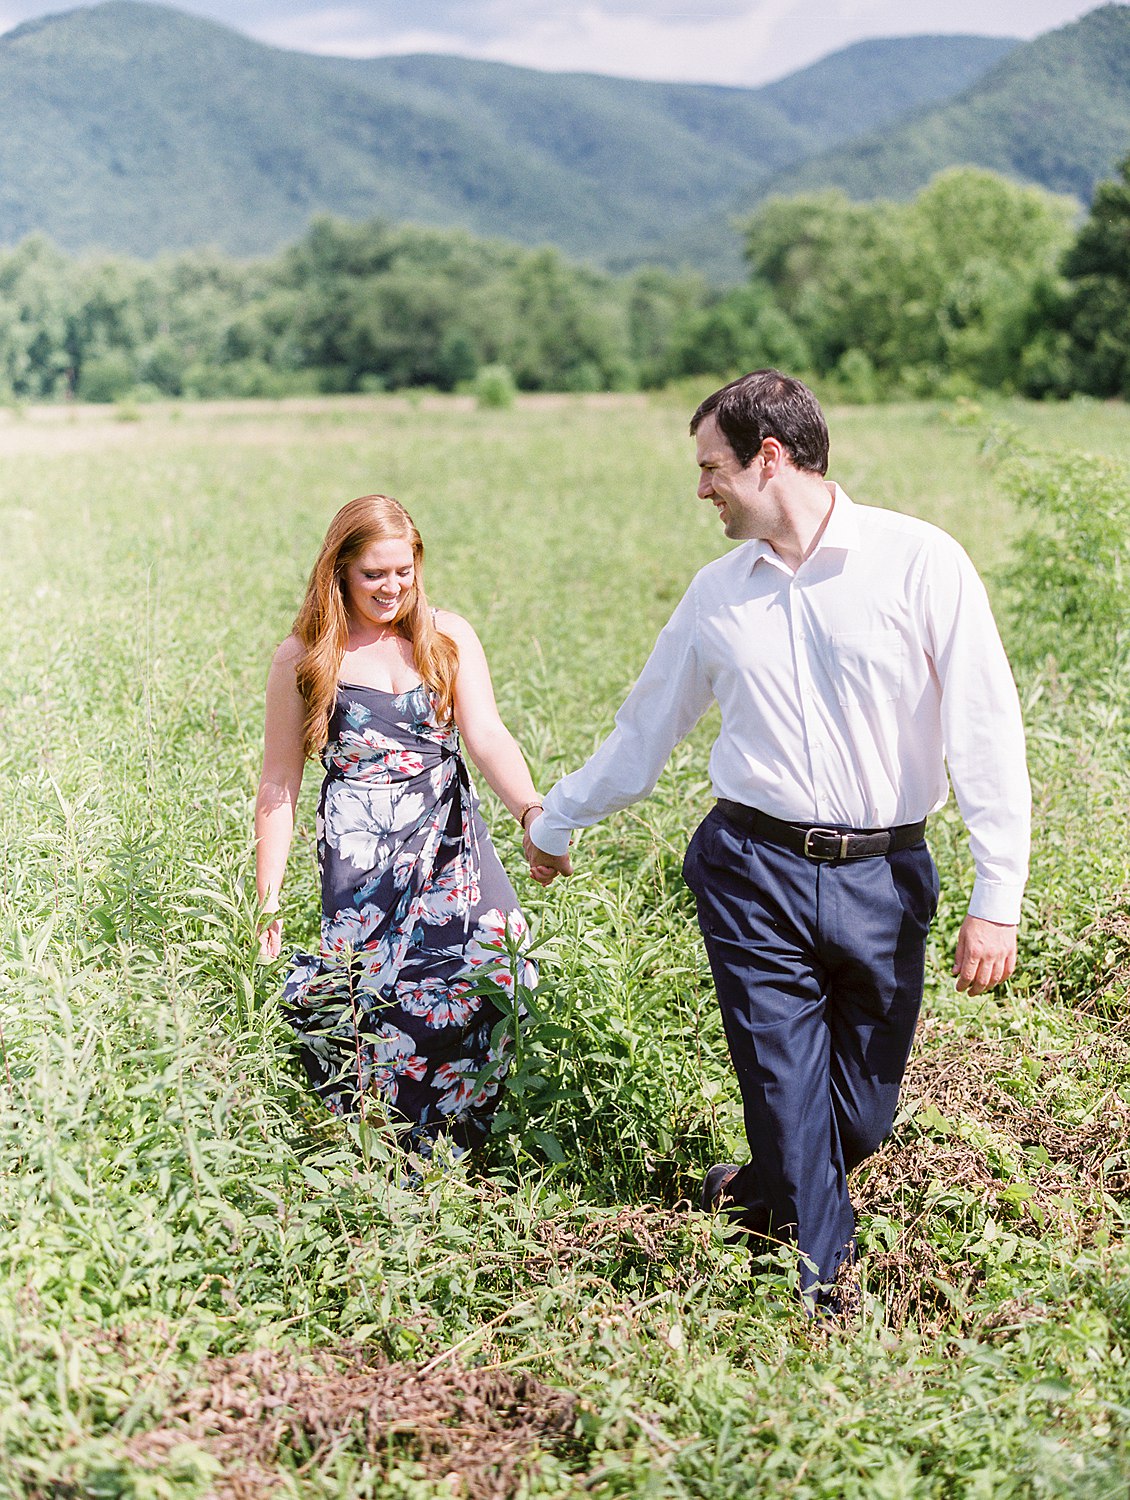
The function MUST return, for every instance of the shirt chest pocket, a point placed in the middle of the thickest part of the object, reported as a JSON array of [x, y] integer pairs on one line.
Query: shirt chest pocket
[[867, 666]]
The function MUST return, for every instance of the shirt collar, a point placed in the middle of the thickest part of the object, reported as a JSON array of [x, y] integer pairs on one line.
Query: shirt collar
[[841, 532]]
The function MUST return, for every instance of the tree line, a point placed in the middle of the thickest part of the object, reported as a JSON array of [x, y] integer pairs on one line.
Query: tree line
[[977, 283]]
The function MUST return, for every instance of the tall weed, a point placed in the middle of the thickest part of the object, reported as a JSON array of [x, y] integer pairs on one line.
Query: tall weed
[[1067, 588], [1068, 580]]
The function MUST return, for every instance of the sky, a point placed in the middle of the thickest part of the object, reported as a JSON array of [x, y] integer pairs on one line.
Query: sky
[[743, 42]]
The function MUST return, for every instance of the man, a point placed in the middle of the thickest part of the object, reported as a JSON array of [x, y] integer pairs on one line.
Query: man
[[854, 657]]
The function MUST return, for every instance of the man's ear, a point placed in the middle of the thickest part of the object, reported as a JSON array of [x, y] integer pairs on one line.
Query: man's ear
[[773, 455]]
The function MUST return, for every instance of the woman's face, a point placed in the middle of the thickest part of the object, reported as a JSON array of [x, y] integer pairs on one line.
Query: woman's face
[[378, 581]]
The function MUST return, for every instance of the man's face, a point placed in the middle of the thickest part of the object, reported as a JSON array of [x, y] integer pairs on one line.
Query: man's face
[[737, 493]]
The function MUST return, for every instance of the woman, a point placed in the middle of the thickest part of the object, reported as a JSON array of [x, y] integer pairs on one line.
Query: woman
[[420, 926]]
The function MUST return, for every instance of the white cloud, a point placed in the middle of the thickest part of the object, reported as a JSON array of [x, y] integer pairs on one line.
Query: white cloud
[[714, 48], [733, 44], [1022, 18], [722, 41], [739, 42], [341, 30]]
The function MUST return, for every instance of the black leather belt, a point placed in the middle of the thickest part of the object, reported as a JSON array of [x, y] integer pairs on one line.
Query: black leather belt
[[822, 843]]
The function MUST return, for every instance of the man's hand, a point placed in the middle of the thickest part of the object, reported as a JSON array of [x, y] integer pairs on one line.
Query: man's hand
[[544, 867], [986, 954]]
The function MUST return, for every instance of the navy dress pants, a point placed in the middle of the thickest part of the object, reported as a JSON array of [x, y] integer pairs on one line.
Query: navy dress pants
[[819, 970]]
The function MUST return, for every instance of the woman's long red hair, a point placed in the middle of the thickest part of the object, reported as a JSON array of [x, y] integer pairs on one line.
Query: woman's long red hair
[[322, 624]]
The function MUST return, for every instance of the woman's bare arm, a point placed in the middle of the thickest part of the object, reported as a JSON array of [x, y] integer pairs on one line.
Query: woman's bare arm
[[489, 743], [279, 785]]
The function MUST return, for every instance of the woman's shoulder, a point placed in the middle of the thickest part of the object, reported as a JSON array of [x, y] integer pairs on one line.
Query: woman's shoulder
[[454, 625], [289, 653]]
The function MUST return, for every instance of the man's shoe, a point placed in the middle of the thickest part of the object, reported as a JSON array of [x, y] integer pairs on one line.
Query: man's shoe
[[843, 1302], [714, 1186]]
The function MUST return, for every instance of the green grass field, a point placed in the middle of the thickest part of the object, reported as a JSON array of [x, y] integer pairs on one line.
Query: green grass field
[[207, 1287]]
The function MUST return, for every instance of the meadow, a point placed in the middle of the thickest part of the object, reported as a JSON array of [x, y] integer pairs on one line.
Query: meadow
[[210, 1288]]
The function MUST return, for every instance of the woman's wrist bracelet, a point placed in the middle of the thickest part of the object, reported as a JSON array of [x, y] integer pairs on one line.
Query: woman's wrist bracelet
[[529, 807]]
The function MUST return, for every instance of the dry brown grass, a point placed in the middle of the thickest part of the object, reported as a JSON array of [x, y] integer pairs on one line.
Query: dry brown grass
[[1104, 990], [478, 1429], [637, 1232], [964, 1082], [77, 427]]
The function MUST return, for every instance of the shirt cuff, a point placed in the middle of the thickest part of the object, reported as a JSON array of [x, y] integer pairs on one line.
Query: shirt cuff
[[996, 903], [548, 839]]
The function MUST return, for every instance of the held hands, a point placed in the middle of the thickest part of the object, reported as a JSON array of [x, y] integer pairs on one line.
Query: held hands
[[986, 954], [544, 867]]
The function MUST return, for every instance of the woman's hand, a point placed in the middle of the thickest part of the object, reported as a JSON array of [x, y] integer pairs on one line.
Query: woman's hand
[[270, 940], [544, 867]]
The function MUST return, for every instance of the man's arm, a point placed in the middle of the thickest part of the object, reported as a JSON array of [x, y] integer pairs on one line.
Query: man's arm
[[983, 734], [670, 696]]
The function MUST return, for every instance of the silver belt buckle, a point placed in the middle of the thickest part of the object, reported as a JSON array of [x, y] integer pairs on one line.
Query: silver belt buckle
[[827, 833]]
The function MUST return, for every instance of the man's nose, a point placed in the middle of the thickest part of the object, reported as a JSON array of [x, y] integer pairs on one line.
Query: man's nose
[[705, 488]]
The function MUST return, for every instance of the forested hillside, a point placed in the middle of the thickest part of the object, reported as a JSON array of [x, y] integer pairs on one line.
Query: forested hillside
[[136, 128], [1054, 112], [975, 284]]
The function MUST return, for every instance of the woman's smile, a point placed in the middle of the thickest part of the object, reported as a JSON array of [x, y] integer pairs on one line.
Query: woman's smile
[[379, 581]]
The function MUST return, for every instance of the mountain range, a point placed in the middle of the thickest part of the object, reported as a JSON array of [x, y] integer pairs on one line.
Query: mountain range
[[136, 128], [1055, 111]]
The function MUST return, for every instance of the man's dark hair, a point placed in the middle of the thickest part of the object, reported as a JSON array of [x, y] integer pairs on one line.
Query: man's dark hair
[[765, 404]]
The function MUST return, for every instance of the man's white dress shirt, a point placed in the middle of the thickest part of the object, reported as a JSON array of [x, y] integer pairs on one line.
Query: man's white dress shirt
[[846, 688]]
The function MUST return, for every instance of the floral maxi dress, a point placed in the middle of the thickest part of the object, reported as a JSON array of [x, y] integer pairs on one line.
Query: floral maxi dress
[[421, 931]]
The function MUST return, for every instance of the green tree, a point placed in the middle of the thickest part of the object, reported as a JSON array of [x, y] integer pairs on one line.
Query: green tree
[[935, 290], [397, 326], [107, 376], [350, 306], [828, 263], [569, 327], [660, 304], [742, 330], [992, 246], [1097, 310], [457, 360], [35, 300]]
